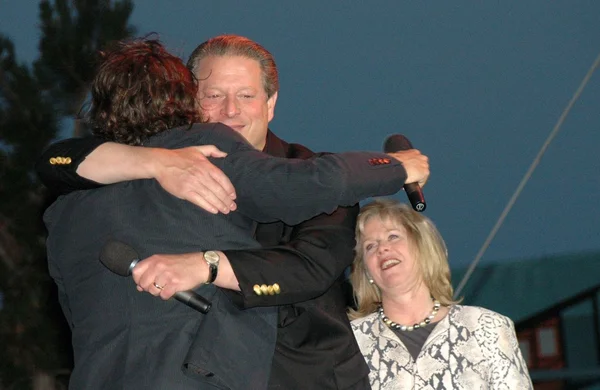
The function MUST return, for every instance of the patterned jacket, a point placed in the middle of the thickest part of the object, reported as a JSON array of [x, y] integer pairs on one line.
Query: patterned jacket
[[471, 348]]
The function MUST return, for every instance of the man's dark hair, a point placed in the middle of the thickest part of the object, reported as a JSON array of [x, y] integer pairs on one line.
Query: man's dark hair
[[140, 90], [236, 45]]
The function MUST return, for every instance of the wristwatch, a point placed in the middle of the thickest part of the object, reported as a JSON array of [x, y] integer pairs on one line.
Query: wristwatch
[[212, 259]]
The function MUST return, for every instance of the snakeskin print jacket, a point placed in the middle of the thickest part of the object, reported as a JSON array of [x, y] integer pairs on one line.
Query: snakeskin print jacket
[[470, 348]]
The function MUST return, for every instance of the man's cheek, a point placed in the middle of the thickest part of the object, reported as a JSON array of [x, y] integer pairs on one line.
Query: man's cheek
[[211, 114]]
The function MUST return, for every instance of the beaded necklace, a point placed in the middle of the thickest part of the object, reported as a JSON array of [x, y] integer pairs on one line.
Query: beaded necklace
[[392, 325]]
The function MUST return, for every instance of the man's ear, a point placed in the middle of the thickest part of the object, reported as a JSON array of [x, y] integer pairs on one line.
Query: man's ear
[[271, 106]]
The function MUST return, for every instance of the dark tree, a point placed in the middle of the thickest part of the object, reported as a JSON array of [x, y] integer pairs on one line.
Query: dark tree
[[72, 33], [27, 124], [34, 102]]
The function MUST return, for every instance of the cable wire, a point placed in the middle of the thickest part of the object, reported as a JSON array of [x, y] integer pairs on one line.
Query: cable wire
[[525, 179]]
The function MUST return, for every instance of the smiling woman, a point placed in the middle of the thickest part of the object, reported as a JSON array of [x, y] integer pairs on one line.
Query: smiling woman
[[409, 329], [388, 255]]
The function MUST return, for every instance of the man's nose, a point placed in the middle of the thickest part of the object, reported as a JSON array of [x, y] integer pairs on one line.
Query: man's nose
[[230, 107]]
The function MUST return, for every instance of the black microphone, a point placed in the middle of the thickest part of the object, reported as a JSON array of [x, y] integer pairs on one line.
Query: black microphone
[[121, 258], [396, 143]]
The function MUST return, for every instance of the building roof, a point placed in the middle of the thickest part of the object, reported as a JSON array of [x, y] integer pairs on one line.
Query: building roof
[[522, 288]]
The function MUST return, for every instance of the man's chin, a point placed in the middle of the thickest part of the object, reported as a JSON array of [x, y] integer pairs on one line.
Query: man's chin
[[238, 128]]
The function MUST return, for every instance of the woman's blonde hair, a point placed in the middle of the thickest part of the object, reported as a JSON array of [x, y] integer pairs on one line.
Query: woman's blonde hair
[[431, 254]]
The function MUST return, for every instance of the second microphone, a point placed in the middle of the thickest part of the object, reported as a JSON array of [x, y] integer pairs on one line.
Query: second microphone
[[396, 143]]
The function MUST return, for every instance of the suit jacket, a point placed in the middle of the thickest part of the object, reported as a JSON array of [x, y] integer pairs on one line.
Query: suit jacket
[[315, 346], [122, 338]]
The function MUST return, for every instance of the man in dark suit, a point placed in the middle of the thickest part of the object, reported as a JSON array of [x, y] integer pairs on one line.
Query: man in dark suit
[[300, 270]]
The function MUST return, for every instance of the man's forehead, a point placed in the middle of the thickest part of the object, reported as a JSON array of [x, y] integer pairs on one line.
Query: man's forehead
[[207, 63], [230, 71]]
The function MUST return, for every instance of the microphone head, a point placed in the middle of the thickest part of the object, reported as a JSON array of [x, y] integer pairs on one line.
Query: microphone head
[[118, 257], [396, 143]]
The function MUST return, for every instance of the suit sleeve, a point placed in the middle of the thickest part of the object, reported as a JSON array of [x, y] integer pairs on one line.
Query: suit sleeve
[[57, 166], [294, 190], [319, 250], [271, 189]]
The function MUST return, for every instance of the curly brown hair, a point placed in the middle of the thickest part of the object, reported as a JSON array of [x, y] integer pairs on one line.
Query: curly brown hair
[[140, 90]]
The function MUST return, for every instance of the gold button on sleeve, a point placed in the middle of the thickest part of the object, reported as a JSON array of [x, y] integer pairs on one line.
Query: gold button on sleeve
[[276, 288], [270, 290], [68, 160], [256, 289], [52, 161], [264, 289]]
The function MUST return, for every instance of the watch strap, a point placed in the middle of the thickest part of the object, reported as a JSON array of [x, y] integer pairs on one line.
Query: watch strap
[[212, 273]]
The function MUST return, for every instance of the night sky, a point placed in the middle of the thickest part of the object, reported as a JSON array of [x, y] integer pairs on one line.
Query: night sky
[[477, 86]]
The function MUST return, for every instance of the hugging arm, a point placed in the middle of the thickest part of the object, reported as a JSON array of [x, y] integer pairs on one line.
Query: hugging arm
[[292, 190], [57, 166], [86, 163], [318, 251], [90, 162]]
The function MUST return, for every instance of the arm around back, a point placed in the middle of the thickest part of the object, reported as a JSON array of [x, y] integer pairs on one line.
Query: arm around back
[[86, 163], [290, 190], [57, 166], [294, 190], [90, 162], [317, 253]]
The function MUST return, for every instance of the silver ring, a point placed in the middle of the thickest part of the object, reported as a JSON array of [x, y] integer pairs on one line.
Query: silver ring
[[157, 286]]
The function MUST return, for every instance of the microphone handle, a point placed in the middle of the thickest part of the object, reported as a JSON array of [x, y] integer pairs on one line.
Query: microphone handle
[[415, 196], [193, 300], [397, 143]]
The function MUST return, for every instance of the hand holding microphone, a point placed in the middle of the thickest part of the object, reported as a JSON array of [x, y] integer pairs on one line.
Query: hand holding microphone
[[123, 260], [415, 164]]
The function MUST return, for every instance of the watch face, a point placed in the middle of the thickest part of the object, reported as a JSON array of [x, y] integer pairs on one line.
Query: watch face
[[211, 257]]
